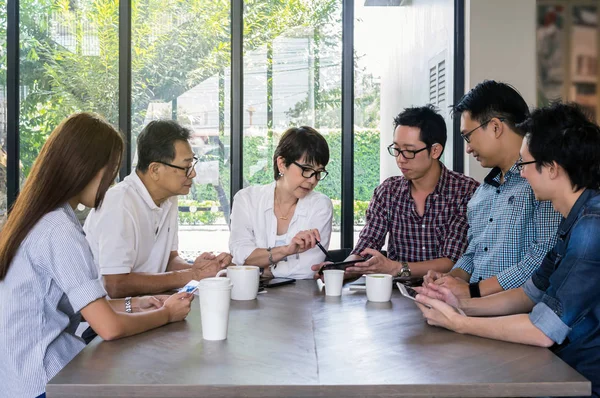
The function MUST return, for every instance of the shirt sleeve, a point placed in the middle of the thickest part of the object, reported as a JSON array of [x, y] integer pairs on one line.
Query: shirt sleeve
[[456, 242], [546, 221], [320, 218], [69, 260], [373, 234], [115, 233], [242, 241], [572, 291]]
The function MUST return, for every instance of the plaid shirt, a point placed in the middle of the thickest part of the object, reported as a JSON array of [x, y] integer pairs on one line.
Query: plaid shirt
[[510, 232], [441, 232]]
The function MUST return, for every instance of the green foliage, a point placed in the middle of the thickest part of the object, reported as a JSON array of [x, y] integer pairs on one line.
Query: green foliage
[[175, 46], [258, 163], [200, 212], [360, 210]]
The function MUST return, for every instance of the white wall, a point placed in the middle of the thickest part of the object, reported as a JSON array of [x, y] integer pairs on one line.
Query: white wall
[[416, 33], [500, 44]]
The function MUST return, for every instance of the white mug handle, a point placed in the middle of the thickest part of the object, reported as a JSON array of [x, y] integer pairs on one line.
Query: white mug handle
[[222, 272]]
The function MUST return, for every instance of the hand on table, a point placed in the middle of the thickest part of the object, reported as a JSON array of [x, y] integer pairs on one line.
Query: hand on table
[[438, 313], [457, 286], [178, 306]]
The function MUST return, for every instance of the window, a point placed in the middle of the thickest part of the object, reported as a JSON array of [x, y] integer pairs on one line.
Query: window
[[69, 63], [292, 77], [180, 71], [400, 61]]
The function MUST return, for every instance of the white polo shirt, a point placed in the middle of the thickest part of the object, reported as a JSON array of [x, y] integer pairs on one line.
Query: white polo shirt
[[130, 233]]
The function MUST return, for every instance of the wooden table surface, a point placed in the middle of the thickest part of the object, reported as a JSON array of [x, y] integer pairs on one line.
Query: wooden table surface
[[293, 341]]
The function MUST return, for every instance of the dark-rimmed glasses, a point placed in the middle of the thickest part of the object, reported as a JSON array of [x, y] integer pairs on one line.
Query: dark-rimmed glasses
[[188, 170], [519, 165], [467, 136], [406, 153], [309, 172]]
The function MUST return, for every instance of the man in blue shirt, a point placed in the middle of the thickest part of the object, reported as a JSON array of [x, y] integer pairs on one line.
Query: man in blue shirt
[[559, 306], [509, 230]]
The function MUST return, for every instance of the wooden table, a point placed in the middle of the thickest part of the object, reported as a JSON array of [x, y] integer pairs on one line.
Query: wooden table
[[293, 341]]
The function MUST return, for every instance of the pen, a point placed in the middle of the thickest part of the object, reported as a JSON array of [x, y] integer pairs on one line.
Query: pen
[[327, 258]]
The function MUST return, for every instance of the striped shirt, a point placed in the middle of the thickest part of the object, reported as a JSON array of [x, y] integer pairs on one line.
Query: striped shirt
[[51, 278], [440, 233], [510, 232]]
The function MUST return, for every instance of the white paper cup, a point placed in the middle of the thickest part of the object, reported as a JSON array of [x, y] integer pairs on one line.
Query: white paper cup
[[245, 279], [214, 307], [379, 287], [334, 279], [215, 283]]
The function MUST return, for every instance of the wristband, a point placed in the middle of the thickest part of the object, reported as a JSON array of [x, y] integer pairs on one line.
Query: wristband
[[474, 290]]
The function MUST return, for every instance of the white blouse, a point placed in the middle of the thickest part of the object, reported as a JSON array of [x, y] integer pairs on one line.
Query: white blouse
[[254, 226]]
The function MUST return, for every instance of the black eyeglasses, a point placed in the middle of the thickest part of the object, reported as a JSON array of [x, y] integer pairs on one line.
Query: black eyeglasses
[[406, 153], [519, 165], [309, 172], [467, 136], [188, 170]]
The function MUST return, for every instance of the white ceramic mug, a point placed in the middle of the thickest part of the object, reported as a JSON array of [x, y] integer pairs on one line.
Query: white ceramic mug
[[245, 280], [379, 287], [215, 294]]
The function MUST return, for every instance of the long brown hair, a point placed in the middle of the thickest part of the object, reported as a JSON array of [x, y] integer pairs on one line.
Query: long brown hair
[[75, 152]]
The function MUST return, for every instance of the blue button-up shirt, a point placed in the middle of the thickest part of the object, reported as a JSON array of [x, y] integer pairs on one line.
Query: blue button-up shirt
[[510, 231], [51, 278], [565, 290]]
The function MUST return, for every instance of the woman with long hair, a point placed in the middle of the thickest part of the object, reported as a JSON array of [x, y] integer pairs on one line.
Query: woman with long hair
[[47, 274]]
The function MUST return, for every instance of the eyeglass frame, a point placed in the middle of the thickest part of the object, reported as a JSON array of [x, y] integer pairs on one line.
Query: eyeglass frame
[[314, 172], [398, 151], [188, 170], [519, 165], [467, 136]]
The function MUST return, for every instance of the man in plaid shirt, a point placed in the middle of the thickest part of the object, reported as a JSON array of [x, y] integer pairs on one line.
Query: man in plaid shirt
[[423, 212], [510, 231]]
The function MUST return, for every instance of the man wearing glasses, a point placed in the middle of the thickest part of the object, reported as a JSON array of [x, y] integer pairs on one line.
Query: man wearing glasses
[[509, 230], [422, 212], [134, 235], [559, 305]]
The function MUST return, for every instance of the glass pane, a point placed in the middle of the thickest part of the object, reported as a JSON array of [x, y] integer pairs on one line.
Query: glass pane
[[69, 63], [550, 53], [180, 71], [292, 77], [3, 158], [584, 58], [403, 58]]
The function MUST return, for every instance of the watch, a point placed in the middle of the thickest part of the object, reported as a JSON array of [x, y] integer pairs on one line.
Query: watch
[[405, 270], [128, 305]]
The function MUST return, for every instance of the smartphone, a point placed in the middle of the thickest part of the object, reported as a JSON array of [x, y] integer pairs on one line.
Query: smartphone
[[408, 292], [274, 282], [190, 287], [409, 280], [341, 265]]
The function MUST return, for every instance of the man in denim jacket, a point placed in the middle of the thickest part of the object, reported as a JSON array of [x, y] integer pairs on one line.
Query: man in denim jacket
[[559, 306]]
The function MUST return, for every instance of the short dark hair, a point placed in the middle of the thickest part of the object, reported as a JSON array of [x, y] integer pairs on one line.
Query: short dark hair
[[426, 118], [301, 141], [491, 99], [157, 140], [564, 134]]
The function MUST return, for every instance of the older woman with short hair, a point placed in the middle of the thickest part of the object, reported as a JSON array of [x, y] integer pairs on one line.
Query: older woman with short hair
[[276, 226]]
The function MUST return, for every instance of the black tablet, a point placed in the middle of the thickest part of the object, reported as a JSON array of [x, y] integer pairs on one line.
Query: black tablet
[[341, 265]]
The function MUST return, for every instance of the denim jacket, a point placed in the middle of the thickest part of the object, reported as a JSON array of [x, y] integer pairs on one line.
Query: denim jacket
[[565, 290]]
